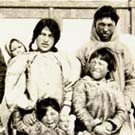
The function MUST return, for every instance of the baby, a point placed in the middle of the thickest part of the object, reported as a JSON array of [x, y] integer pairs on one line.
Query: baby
[[15, 47]]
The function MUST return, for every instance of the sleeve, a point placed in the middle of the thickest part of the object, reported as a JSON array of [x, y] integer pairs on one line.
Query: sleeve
[[17, 120], [3, 69], [120, 115], [79, 104], [71, 69], [74, 75], [16, 116], [129, 69]]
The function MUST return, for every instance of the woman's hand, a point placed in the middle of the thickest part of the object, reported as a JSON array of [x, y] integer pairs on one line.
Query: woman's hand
[[67, 123], [64, 122]]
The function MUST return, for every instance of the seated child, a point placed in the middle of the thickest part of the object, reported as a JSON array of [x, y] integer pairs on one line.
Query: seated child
[[47, 114], [97, 98]]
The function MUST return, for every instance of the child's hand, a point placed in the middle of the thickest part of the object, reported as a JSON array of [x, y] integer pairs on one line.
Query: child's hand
[[20, 126], [103, 129], [29, 119]]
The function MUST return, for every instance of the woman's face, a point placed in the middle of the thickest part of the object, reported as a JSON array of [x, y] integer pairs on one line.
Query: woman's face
[[51, 118], [16, 48], [98, 68], [45, 40]]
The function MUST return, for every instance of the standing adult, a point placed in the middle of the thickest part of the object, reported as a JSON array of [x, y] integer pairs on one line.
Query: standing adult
[[104, 34]]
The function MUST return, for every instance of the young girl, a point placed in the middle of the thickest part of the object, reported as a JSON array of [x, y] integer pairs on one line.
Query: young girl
[[97, 98]]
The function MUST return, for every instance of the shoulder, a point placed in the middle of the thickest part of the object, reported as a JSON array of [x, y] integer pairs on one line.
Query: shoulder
[[86, 47], [82, 82], [113, 84]]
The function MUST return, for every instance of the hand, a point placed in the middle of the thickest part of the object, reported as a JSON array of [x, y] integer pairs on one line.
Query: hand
[[127, 103], [20, 126], [29, 119], [64, 122], [67, 123], [103, 129]]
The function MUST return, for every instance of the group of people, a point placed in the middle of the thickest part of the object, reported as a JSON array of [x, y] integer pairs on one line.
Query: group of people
[[51, 93]]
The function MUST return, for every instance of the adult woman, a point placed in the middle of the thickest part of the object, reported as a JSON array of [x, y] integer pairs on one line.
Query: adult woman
[[49, 72]]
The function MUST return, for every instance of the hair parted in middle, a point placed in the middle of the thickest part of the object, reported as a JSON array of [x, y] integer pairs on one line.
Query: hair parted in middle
[[53, 27]]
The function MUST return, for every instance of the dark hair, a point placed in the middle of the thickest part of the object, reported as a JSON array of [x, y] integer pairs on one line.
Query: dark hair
[[13, 40], [107, 56], [106, 11], [42, 105], [53, 27]]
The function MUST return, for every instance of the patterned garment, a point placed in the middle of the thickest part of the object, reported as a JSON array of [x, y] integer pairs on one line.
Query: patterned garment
[[95, 102]]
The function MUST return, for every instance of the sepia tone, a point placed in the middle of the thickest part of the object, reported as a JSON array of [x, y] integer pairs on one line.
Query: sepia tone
[[65, 9]]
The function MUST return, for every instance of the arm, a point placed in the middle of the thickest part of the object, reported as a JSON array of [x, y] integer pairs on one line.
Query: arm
[[129, 72], [79, 105], [17, 120], [120, 114], [3, 68], [117, 110], [71, 69]]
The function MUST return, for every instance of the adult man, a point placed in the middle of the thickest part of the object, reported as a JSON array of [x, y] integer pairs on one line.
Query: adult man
[[104, 35]]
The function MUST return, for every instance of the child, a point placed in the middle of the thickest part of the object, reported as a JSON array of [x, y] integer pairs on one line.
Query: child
[[47, 114], [15, 47], [97, 99]]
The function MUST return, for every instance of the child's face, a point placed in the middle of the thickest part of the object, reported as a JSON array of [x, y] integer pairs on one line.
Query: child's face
[[17, 48], [51, 118], [98, 68], [45, 40]]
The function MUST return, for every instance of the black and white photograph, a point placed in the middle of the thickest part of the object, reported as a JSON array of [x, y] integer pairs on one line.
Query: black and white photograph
[[67, 67]]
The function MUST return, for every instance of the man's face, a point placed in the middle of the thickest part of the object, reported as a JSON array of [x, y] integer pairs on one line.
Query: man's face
[[105, 28]]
